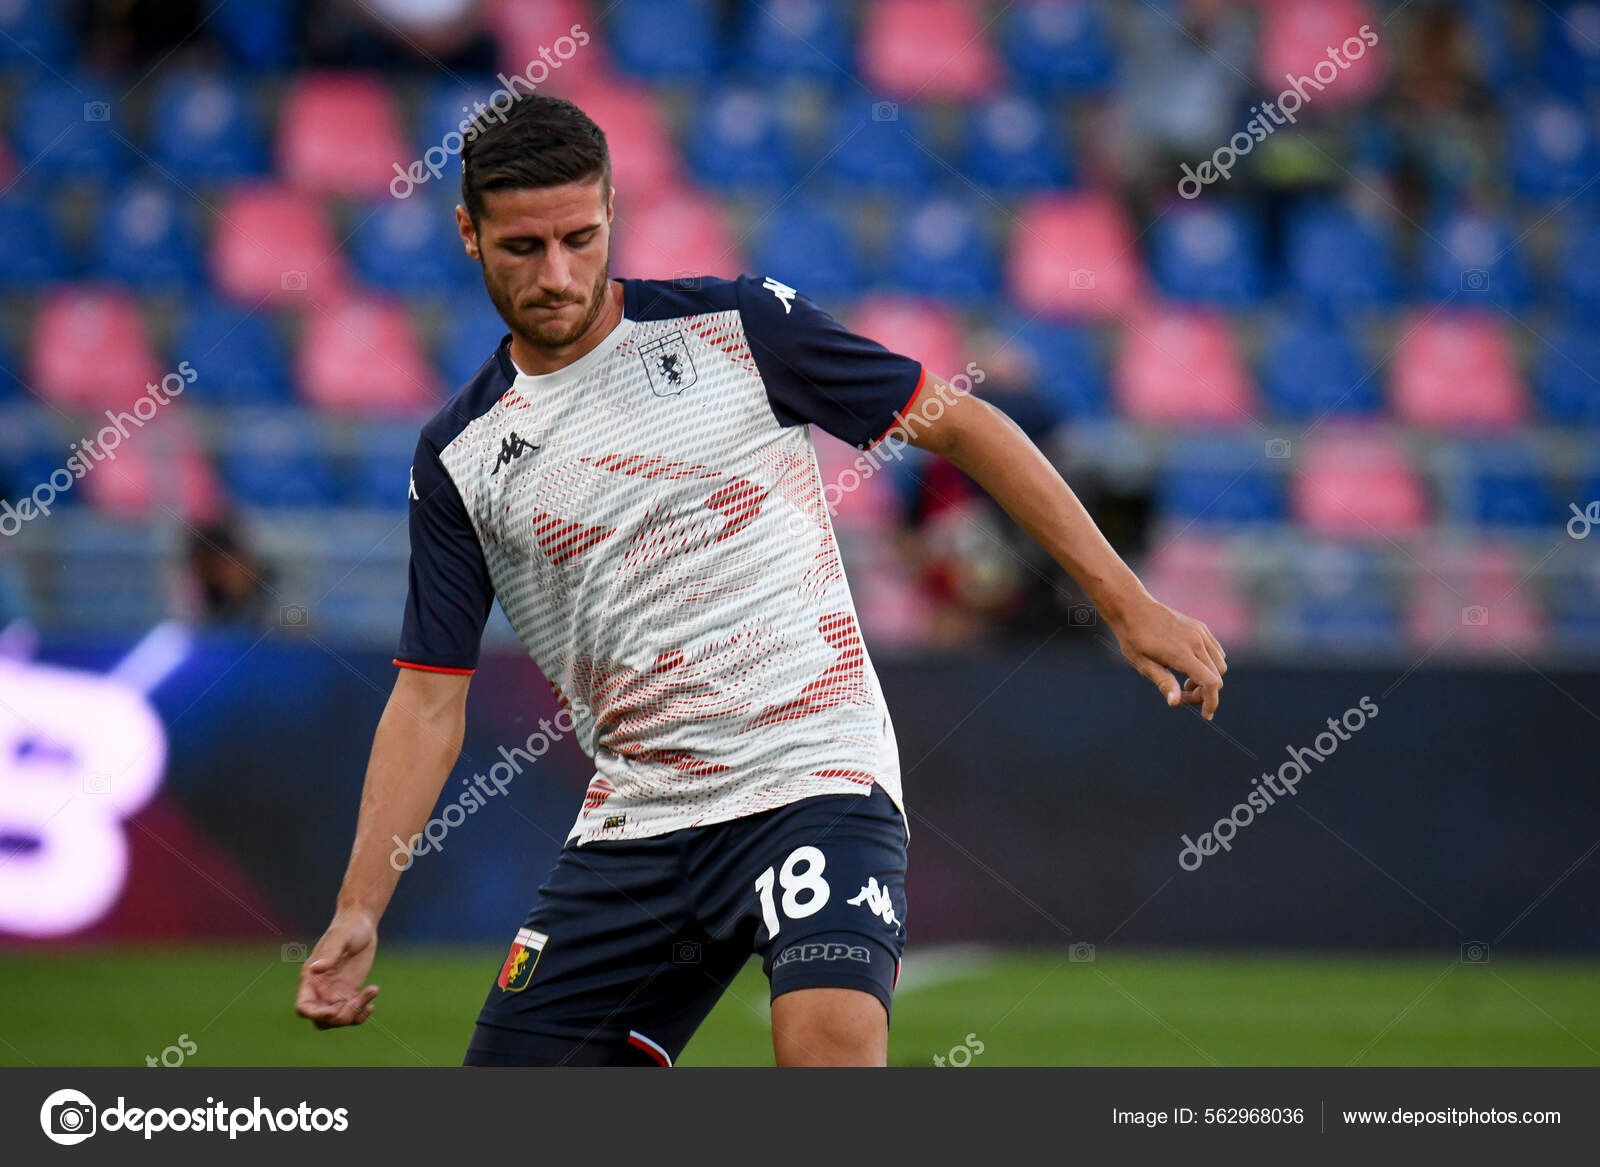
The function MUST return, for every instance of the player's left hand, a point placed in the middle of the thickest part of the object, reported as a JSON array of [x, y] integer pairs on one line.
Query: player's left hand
[[1160, 642], [331, 992]]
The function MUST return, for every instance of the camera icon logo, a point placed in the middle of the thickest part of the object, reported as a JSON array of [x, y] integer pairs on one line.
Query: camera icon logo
[[96, 111], [97, 783], [68, 1117], [293, 616], [1082, 616], [1475, 952], [685, 952], [1475, 279], [292, 281], [293, 953], [1474, 616], [1081, 953], [1080, 279], [1279, 448], [885, 111]]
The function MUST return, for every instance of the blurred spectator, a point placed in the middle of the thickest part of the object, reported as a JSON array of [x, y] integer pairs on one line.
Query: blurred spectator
[[230, 586]]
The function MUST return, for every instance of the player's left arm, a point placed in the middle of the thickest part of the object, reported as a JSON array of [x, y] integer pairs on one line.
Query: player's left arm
[[987, 445]]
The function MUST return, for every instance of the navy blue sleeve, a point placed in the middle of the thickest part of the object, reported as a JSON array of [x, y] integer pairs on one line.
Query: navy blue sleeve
[[818, 371], [448, 600]]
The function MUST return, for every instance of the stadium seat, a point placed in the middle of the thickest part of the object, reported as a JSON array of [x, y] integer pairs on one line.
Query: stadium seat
[[1182, 367], [1343, 600], [1073, 256], [809, 246], [148, 240], [31, 448], [1296, 36], [1014, 146], [238, 355], [32, 250], [664, 40], [680, 235], [1209, 481], [277, 459], [472, 332], [1310, 366], [927, 49], [1569, 45], [375, 466], [796, 38], [1337, 258], [1456, 370], [527, 31], [1208, 253], [1574, 606], [1358, 485], [1475, 600], [204, 128], [924, 330], [161, 470], [877, 147], [89, 349], [68, 131], [445, 105], [1552, 147], [1054, 48], [1471, 258], [644, 159], [410, 245], [1197, 573], [1065, 368], [317, 150], [740, 141], [1507, 486], [272, 243], [258, 35], [1577, 266], [363, 356], [34, 36], [1567, 377], [940, 249]]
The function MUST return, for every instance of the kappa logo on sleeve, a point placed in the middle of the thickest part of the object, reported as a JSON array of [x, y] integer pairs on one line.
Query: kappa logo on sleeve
[[522, 960], [784, 292]]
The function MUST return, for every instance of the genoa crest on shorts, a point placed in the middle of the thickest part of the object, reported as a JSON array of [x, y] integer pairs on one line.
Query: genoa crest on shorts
[[524, 957]]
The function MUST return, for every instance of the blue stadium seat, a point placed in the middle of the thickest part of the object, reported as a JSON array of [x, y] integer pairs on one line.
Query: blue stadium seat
[[876, 145], [445, 106], [1343, 601], [1575, 606], [205, 128], [796, 38], [1070, 371], [410, 245], [809, 246], [1209, 253], [1566, 380], [1340, 259], [1055, 48], [32, 251], [258, 35], [33, 445], [1013, 146], [147, 239], [472, 332], [1577, 274], [1209, 481], [1569, 45], [276, 459], [939, 249], [1310, 365], [739, 140], [33, 36], [1507, 486], [1552, 147], [238, 356], [664, 40], [1473, 259], [375, 472], [66, 130]]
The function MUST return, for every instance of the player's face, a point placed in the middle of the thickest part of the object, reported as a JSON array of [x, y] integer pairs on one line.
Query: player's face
[[545, 256]]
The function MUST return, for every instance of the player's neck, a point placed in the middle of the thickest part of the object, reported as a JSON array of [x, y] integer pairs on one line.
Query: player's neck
[[537, 361]]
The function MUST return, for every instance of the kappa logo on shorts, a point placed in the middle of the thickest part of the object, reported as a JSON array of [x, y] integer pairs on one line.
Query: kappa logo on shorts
[[524, 958], [876, 900]]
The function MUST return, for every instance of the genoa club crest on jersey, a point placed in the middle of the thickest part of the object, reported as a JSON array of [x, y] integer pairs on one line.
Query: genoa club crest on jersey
[[523, 958], [668, 363]]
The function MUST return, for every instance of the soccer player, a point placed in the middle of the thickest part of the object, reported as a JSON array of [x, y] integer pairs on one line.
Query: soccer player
[[632, 475]]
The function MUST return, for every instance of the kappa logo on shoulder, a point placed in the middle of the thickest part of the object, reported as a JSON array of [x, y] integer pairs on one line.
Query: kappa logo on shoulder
[[784, 292], [668, 365]]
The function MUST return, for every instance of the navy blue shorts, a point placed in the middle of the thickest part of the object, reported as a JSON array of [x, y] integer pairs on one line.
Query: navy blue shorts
[[632, 942]]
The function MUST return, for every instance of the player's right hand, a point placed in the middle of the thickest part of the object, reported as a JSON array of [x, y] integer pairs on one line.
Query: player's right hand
[[331, 980]]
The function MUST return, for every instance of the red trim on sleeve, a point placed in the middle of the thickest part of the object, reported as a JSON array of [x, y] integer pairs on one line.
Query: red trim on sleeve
[[922, 380], [405, 664]]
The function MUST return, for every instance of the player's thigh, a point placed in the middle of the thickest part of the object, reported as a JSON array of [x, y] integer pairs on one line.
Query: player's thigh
[[829, 1027]]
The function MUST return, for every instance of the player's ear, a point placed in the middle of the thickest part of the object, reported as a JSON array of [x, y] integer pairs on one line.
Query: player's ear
[[610, 210], [469, 233]]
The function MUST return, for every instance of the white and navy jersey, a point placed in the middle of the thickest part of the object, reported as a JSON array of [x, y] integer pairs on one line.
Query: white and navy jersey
[[651, 518]]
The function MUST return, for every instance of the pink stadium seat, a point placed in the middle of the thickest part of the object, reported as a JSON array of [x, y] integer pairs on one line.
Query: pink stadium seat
[[1475, 600], [1198, 575], [1455, 371], [1358, 485], [923, 330], [1181, 366], [529, 30], [363, 355], [90, 350], [927, 49], [1073, 256], [274, 243], [860, 503], [644, 160], [340, 134], [162, 469], [681, 234], [1297, 34]]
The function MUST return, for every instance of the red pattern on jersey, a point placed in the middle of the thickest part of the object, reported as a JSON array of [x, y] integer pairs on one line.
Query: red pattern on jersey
[[600, 789], [843, 683], [680, 760], [657, 467], [725, 330], [561, 540], [860, 776]]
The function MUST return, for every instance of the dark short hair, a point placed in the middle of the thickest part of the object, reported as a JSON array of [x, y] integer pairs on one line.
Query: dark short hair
[[541, 141]]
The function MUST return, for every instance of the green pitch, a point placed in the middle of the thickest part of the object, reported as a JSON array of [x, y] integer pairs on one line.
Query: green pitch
[[116, 1007]]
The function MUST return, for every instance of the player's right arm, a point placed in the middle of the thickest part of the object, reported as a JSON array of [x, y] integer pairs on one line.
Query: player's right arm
[[417, 743]]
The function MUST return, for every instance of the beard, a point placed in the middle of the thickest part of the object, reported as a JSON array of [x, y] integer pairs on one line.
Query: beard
[[538, 334]]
